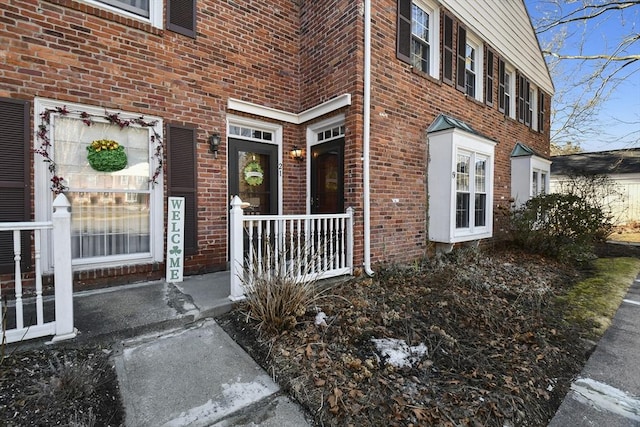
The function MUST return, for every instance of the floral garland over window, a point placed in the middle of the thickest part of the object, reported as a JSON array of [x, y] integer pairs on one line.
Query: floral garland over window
[[57, 184]]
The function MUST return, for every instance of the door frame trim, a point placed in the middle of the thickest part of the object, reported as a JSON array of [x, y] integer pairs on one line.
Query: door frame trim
[[312, 131], [277, 140]]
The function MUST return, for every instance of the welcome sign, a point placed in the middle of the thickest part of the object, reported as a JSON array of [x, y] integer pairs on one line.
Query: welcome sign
[[175, 240]]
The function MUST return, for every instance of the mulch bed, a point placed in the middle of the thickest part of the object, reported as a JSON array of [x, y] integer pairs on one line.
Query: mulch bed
[[59, 386], [487, 344]]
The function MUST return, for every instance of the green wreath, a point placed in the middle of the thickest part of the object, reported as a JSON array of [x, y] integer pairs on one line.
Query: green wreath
[[106, 155], [253, 174]]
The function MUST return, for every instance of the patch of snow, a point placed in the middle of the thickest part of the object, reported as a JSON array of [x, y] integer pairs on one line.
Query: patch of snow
[[602, 396], [234, 397], [398, 353], [321, 319]]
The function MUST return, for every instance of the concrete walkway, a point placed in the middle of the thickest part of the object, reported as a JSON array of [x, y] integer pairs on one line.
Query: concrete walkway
[[607, 392], [175, 365]]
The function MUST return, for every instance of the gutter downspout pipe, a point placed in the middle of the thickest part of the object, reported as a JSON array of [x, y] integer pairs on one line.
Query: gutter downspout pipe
[[366, 137]]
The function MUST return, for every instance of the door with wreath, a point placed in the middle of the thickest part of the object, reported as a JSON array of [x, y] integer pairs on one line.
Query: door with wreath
[[253, 169]]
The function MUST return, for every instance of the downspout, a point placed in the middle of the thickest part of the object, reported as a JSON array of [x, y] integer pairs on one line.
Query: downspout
[[366, 137]]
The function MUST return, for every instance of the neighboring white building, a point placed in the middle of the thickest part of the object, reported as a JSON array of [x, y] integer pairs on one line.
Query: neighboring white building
[[622, 166]]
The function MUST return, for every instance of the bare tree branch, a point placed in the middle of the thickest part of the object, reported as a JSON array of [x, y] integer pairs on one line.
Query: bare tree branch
[[595, 11]]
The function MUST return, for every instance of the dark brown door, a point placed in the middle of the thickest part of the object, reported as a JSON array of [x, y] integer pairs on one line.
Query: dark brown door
[[253, 169], [327, 177]]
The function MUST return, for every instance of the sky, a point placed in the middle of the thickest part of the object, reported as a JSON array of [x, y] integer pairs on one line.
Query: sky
[[619, 116]]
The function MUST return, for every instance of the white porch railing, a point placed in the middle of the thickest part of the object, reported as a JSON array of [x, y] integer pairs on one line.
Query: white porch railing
[[62, 327], [304, 247]]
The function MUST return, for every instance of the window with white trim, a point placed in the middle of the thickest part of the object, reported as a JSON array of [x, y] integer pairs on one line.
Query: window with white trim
[[539, 182], [418, 38], [116, 217], [473, 61], [145, 10], [471, 190], [506, 89]]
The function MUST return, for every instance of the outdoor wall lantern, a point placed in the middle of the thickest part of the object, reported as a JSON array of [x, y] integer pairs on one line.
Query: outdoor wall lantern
[[296, 153], [214, 144]]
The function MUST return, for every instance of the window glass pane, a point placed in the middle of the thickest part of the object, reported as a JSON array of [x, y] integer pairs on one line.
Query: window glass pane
[[543, 183], [420, 40], [420, 23], [462, 173], [480, 210], [481, 178], [462, 210], [109, 223], [534, 183]]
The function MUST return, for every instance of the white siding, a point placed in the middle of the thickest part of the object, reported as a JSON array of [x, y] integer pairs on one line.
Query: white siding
[[506, 26]]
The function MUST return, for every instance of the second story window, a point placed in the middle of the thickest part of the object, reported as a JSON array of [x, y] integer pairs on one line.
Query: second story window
[[418, 35], [506, 89], [469, 68], [420, 48]]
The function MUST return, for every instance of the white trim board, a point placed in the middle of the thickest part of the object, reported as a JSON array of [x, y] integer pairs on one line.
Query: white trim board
[[285, 116]]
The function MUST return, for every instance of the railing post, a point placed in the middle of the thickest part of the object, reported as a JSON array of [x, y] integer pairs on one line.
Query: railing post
[[236, 243], [63, 275], [349, 230]]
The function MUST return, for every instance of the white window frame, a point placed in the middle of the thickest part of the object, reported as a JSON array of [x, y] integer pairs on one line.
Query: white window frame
[[430, 8], [155, 11], [475, 43], [533, 106], [276, 133], [510, 71], [44, 196]]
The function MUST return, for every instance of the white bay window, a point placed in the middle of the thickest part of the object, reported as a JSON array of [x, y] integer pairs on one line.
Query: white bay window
[[460, 184]]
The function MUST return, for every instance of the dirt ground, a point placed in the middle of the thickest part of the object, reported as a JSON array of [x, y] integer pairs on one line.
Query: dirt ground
[[483, 341], [479, 341]]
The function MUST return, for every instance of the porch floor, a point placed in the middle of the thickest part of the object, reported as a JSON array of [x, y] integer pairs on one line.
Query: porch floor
[[126, 311]]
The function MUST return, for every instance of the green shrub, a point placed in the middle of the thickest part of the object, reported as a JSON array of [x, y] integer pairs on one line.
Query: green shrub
[[564, 226]]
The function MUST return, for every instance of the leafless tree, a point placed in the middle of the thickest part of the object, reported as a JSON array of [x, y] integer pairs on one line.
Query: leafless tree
[[588, 65]]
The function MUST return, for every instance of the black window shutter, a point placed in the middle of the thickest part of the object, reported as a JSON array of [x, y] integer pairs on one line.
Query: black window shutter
[[501, 88], [181, 17], [181, 154], [489, 84], [541, 112], [521, 86], [15, 163], [403, 43], [462, 54], [447, 50], [527, 102]]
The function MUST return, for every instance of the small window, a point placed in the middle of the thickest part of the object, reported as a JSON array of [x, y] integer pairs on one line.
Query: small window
[[418, 35], [469, 67], [506, 89]]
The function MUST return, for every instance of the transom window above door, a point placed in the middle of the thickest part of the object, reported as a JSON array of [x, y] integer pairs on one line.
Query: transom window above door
[[332, 133], [250, 133]]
